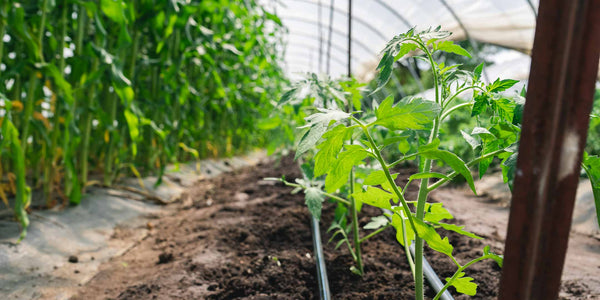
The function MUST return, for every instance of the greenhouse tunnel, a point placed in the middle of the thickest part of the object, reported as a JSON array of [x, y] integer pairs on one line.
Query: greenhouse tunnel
[[299, 149]]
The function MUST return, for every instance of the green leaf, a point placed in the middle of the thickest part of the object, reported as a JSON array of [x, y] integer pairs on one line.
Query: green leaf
[[374, 197], [377, 177], [499, 259], [377, 222], [314, 201], [451, 47], [310, 138], [463, 285], [454, 162], [325, 116], [134, 132], [433, 239], [501, 85], [509, 168], [338, 174], [114, 10], [484, 165], [474, 143], [477, 72], [481, 103], [307, 171], [504, 108], [329, 148], [269, 123], [591, 165], [394, 139], [414, 114], [459, 230], [435, 212], [399, 223], [483, 133]]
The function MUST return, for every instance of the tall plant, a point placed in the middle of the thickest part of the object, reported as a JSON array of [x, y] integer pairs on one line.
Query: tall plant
[[349, 140], [108, 87]]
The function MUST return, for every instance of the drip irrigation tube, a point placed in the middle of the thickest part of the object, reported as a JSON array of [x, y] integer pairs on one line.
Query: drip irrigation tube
[[324, 293], [432, 277], [323, 283]]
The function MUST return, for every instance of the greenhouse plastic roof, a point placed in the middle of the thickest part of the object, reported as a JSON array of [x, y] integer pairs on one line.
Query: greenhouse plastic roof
[[507, 23]]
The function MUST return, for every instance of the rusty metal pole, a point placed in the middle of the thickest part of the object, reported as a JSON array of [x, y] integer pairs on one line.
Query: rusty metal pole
[[564, 67]]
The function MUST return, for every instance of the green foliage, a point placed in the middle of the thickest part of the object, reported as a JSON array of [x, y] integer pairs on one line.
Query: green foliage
[[345, 141], [103, 86]]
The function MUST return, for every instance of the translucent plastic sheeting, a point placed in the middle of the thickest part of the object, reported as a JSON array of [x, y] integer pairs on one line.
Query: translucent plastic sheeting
[[507, 23]]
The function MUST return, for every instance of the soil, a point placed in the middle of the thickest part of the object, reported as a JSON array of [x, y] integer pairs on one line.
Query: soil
[[237, 236]]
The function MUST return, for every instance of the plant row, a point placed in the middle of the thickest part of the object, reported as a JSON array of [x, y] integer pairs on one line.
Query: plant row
[[107, 87], [347, 146]]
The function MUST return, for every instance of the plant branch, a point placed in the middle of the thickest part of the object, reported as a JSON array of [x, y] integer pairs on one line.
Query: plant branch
[[469, 164], [372, 234], [460, 269], [447, 113], [332, 196]]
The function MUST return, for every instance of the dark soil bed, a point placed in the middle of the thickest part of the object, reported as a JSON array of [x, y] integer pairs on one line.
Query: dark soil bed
[[237, 236]]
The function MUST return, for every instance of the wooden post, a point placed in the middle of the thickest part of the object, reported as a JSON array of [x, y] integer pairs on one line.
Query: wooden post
[[564, 67]]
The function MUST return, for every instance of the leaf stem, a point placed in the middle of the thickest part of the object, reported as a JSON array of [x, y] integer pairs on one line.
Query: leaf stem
[[458, 92], [469, 164], [460, 270], [447, 113], [386, 170], [372, 234], [332, 196]]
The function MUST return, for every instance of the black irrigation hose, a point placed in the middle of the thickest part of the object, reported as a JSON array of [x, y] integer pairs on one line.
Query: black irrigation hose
[[323, 283], [324, 293]]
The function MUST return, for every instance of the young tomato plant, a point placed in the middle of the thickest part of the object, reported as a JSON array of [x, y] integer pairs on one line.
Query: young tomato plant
[[347, 141]]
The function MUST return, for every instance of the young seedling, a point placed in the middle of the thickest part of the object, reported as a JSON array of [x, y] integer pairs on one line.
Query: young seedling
[[346, 141]]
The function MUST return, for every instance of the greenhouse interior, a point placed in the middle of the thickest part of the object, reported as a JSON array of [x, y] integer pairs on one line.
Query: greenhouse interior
[[300, 149]]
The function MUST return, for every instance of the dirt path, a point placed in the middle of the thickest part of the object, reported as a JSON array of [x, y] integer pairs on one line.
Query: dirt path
[[237, 236], [490, 219]]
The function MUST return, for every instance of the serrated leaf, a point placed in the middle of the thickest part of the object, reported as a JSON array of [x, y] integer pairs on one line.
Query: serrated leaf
[[377, 222], [484, 164], [435, 212], [377, 177], [501, 85], [477, 72], [483, 133], [433, 239], [394, 139], [325, 116], [310, 138], [505, 109], [464, 285], [474, 143], [454, 162], [509, 168], [459, 230], [414, 114], [338, 174], [451, 47], [499, 259], [314, 201], [329, 148], [374, 197], [481, 103], [308, 171]]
